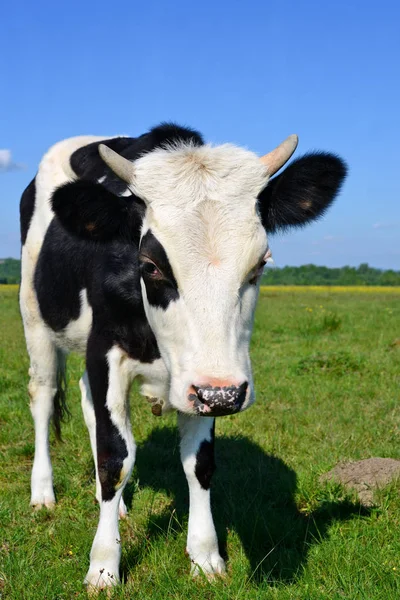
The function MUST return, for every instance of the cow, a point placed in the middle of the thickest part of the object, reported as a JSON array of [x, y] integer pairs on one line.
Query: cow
[[145, 255]]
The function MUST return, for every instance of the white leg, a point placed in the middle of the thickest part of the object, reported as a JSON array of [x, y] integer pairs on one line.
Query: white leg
[[110, 376], [90, 420], [197, 441], [105, 554], [42, 389]]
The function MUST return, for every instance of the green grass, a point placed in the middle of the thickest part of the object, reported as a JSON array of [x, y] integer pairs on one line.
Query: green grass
[[327, 371]]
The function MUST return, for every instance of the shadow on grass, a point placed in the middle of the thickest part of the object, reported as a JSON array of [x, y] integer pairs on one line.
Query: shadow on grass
[[253, 493]]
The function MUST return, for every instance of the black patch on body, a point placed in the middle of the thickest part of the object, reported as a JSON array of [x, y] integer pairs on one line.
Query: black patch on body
[[111, 447], [303, 192], [205, 463], [110, 274], [87, 163], [162, 291], [26, 209], [60, 276], [89, 211]]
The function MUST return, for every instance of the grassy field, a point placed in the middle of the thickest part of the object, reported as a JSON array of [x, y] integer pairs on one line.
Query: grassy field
[[327, 370]]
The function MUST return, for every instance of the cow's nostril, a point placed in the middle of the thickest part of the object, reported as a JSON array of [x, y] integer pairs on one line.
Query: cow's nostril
[[242, 390]]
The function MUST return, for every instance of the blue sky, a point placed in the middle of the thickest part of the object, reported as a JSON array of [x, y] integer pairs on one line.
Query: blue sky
[[244, 72]]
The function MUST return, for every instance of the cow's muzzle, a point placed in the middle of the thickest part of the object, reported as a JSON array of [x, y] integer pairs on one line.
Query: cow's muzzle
[[209, 401]]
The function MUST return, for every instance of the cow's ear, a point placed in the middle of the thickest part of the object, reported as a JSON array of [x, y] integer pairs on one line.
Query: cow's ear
[[303, 192], [88, 210]]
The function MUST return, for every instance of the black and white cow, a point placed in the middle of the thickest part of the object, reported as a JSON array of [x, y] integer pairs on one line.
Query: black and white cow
[[144, 254]]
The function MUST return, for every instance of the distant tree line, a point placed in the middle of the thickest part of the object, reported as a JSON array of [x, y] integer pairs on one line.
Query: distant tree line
[[10, 272], [314, 275]]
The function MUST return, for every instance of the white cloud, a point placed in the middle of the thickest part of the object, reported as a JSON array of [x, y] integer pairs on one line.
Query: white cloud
[[327, 238], [386, 225], [6, 162]]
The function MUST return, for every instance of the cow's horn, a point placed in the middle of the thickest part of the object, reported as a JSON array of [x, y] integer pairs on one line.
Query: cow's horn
[[120, 165], [277, 158]]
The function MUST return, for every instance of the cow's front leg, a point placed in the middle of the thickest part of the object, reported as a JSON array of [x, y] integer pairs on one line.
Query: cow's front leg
[[197, 454], [110, 379], [90, 420]]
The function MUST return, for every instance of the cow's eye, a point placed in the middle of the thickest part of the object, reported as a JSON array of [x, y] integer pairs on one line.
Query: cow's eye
[[257, 272], [149, 269]]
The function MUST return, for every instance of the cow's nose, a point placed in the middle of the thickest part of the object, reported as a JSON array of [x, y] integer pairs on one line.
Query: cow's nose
[[218, 401]]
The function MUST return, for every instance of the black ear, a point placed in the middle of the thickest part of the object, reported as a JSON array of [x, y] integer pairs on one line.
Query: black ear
[[303, 192], [88, 210]]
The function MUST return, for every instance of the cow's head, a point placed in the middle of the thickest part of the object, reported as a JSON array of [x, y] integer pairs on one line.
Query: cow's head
[[203, 247]]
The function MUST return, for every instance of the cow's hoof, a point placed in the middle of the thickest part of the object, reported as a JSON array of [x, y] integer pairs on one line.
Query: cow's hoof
[[43, 501], [99, 578], [211, 566], [122, 510]]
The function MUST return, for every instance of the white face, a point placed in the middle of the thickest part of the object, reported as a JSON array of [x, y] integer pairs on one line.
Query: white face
[[202, 252]]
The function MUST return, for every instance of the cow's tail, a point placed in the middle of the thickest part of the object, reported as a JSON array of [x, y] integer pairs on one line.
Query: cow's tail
[[61, 412]]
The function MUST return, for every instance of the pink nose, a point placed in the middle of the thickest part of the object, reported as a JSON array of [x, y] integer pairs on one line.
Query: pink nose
[[211, 400]]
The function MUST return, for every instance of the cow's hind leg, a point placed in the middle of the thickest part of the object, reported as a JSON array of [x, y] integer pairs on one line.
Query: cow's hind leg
[[90, 420], [197, 454], [110, 375], [45, 362]]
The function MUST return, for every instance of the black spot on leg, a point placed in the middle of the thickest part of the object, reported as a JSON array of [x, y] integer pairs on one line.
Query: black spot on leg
[[111, 453], [205, 463], [111, 447], [110, 473]]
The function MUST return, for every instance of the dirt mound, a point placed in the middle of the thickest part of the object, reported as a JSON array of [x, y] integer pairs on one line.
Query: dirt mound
[[365, 476]]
